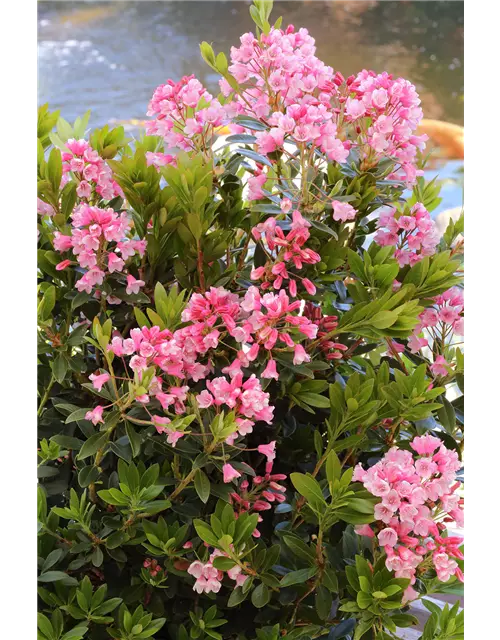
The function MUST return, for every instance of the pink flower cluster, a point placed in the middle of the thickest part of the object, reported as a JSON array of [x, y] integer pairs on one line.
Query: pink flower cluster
[[185, 116], [100, 238], [247, 399], [414, 234], [266, 489], [440, 321], [255, 322], [289, 252], [287, 85], [209, 579], [303, 99], [153, 567], [418, 496], [91, 172], [326, 325], [393, 109], [164, 362]]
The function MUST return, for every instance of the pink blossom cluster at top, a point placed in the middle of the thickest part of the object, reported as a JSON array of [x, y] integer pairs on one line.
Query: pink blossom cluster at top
[[287, 87], [418, 496], [289, 252], [303, 99], [290, 88], [91, 172], [100, 239], [414, 235], [185, 116], [440, 321]]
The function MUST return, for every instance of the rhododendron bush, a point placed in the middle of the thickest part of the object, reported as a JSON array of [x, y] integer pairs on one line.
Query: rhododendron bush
[[250, 364]]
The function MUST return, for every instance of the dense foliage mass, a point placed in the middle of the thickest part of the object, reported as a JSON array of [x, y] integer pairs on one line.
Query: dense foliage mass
[[250, 370]]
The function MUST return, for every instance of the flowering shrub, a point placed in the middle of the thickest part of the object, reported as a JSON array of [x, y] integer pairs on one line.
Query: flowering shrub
[[250, 373]]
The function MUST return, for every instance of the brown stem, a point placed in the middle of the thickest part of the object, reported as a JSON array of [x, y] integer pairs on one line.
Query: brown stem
[[201, 275]]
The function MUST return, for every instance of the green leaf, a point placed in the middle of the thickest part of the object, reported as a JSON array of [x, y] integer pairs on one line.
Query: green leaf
[[202, 485], [297, 577], [333, 467], [222, 563], [56, 576], [45, 627], [207, 53], [54, 169], [134, 439], [67, 442], [77, 415], [205, 532], [308, 487], [446, 415], [87, 475], [47, 303], [237, 596], [91, 446], [314, 400], [60, 367], [299, 548], [323, 602], [261, 596]]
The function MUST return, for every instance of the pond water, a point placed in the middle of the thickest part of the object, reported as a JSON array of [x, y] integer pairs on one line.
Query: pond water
[[110, 56]]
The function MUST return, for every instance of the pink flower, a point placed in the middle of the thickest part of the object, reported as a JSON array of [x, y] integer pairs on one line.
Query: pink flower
[[196, 569], [230, 473], [343, 211], [205, 399], [364, 530], [270, 370], [99, 380], [61, 242], [410, 594], [133, 285], [309, 286], [300, 355], [269, 450], [387, 537], [415, 343], [115, 263], [440, 366], [160, 423], [95, 415], [425, 445], [174, 436], [354, 108], [84, 190], [62, 265]]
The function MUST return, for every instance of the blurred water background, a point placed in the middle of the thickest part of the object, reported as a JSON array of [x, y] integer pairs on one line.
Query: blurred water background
[[110, 56]]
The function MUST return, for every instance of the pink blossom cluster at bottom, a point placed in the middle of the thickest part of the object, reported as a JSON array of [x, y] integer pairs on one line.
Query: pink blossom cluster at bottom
[[418, 496]]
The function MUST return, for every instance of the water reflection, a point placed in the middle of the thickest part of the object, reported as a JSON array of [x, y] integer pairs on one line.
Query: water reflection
[[110, 56]]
